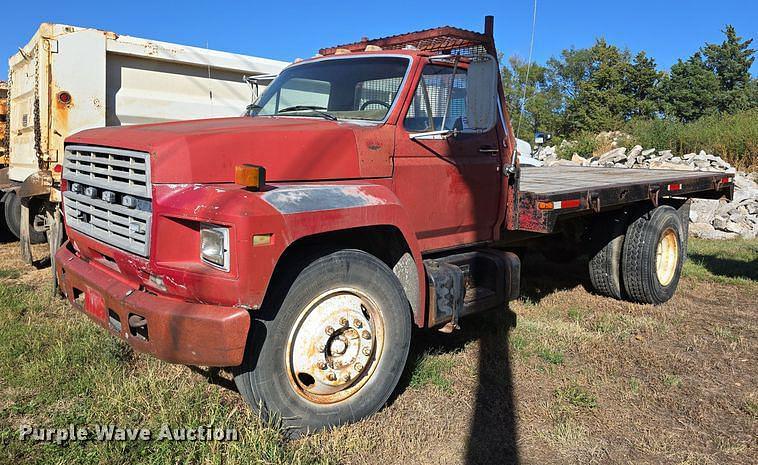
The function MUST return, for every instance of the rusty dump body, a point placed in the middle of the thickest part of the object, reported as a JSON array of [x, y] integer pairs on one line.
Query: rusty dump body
[[137, 198]]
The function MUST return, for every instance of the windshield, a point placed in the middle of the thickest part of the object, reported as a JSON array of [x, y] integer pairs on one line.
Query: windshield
[[361, 88]]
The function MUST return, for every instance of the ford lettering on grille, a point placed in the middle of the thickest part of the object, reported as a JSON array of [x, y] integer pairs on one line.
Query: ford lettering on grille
[[109, 196]]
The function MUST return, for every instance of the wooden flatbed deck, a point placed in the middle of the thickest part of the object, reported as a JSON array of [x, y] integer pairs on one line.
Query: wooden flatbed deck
[[545, 193]]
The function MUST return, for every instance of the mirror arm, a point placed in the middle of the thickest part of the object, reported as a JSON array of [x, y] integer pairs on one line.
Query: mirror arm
[[446, 133], [450, 91]]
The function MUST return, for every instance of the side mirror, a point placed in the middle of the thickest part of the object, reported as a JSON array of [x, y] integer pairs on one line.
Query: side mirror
[[481, 98]]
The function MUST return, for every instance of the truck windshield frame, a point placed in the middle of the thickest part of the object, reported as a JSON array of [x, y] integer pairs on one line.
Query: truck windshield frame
[[360, 88]]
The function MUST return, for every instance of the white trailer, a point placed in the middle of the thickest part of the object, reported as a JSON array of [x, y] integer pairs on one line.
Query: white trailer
[[69, 78]]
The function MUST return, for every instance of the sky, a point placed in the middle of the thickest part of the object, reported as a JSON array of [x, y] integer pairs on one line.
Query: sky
[[285, 30]]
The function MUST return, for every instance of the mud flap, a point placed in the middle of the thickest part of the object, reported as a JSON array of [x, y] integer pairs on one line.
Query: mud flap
[[25, 241], [54, 240]]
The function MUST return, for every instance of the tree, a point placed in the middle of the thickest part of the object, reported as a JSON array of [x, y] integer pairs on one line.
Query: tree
[[691, 90], [730, 61], [541, 102], [600, 99], [643, 86]]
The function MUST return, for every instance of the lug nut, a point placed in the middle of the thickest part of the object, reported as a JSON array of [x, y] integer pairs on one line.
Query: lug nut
[[343, 321], [329, 330], [357, 323], [322, 365], [366, 334], [358, 367], [346, 378], [366, 351], [331, 377]]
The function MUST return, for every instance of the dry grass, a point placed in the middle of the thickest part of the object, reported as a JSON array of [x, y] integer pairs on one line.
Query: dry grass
[[563, 376]]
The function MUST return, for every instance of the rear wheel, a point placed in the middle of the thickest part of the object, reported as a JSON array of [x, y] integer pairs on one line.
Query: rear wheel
[[334, 350], [12, 211], [653, 256], [606, 248]]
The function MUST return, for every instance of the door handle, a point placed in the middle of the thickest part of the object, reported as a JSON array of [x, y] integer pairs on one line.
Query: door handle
[[488, 149]]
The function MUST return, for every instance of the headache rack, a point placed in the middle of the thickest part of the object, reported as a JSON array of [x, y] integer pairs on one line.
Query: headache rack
[[441, 40]]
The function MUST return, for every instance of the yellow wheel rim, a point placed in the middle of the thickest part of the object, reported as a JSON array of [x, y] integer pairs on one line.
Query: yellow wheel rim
[[335, 346], [667, 257]]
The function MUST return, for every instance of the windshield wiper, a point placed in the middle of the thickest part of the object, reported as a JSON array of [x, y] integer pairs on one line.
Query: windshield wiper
[[313, 108]]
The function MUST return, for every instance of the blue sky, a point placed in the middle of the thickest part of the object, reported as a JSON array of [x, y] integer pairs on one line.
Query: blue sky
[[666, 29]]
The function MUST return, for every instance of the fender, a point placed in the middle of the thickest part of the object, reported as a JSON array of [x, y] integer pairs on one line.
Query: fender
[[310, 209], [282, 214], [35, 184]]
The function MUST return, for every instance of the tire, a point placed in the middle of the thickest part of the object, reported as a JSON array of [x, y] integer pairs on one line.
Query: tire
[[648, 278], [304, 401], [12, 211], [606, 250]]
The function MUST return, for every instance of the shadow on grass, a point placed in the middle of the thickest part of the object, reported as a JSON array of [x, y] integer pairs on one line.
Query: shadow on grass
[[541, 277], [217, 376], [726, 266], [492, 435]]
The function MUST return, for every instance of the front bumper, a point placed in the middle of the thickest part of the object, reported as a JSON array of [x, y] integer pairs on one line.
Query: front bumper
[[170, 329]]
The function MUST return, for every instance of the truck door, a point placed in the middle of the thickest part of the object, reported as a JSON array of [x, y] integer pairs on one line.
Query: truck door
[[450, 185]]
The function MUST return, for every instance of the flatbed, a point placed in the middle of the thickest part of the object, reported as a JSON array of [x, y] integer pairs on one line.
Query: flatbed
[[548, 193]]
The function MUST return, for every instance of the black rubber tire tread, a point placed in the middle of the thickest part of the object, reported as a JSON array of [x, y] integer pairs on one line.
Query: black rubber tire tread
[[606, 250], [12, 212], [262, 379], [638, 261]]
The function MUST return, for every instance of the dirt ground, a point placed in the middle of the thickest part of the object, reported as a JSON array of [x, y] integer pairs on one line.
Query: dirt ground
[[562, 376], [565, 376]]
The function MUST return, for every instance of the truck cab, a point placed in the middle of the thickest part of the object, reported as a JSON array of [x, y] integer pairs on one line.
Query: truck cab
[[368, 190]]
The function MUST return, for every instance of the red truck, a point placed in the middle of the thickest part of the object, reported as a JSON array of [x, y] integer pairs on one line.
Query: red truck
[[369, 190]]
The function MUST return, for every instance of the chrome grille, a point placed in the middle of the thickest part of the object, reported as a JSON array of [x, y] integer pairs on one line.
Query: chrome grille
[[109, 196]]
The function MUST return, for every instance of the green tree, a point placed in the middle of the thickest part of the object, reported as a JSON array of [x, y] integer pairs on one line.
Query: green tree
[[541, 102], [643, 86], [600, 91], [691, 90], [730, 61]]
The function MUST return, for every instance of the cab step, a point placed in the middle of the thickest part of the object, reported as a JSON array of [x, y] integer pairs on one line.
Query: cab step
[[469, 282]]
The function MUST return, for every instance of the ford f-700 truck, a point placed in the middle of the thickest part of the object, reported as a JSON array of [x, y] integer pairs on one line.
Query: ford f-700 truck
[[369, 190]]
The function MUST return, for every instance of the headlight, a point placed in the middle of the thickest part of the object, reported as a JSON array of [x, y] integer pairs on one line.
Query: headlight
[[214, 246]]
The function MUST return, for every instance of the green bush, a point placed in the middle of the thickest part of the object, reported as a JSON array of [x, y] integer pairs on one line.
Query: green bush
[[583, 144], [733, 137]]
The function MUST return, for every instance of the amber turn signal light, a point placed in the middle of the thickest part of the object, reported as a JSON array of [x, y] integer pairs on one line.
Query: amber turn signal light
[[251, 176]]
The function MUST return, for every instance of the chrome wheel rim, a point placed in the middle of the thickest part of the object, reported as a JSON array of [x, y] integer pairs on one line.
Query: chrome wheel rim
[[335, 345], [667, 257]]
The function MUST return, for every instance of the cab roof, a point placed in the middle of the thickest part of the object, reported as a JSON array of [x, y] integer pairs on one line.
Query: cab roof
[[439, 40]]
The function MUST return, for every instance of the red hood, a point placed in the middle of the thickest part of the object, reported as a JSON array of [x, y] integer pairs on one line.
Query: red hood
[[206, 151]]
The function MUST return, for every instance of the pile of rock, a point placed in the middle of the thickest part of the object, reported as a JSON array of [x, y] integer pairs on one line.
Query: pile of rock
[[720, 219], [712, 219], [637, 157]]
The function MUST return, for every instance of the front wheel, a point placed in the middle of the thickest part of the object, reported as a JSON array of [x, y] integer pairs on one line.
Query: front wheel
[[334, 350]]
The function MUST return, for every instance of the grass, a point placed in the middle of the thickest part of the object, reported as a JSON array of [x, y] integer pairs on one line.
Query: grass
[[9, 273], [725, 262], [575, 314], [576, 395], [57, 369], [634, 386], [433, 370], [711, 261], [551, 356], [672, 380]]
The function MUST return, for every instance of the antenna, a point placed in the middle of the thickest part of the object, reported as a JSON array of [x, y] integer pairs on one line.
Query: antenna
[[528, 69]]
